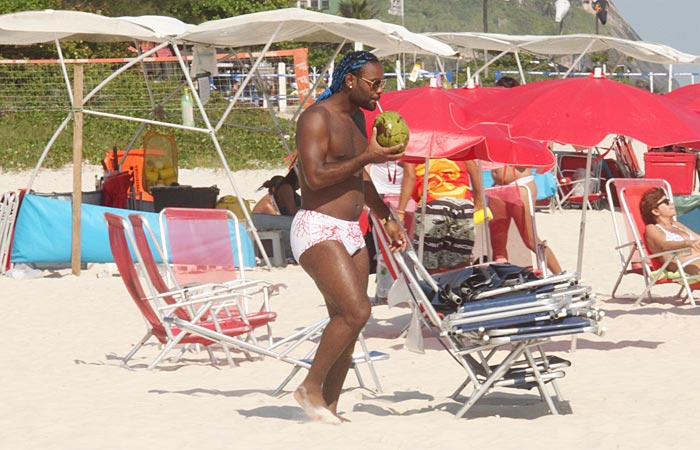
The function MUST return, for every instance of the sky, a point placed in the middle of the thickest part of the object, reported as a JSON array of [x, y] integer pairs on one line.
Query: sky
[[669, 22]]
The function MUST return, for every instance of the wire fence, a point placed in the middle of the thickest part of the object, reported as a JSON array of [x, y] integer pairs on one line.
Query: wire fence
[[36, 99], [154, 87], [656, 81]]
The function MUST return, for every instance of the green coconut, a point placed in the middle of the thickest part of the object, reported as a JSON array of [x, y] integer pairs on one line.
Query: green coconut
[[392, 129]]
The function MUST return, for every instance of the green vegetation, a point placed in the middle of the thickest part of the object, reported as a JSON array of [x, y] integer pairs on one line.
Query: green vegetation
[[23, 137], [188, 11], [27, 128], [530, 17], [33, 102], [357, 9]]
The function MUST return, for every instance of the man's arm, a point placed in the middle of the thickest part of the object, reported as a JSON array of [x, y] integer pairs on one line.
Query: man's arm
[[313, 142], [408, 184], [381, 210]]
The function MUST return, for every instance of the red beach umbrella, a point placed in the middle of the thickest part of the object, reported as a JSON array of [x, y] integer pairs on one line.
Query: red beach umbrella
[[432, 116], [688, 96], [496, 146], [478, 93], [440, 127], [584, 111]]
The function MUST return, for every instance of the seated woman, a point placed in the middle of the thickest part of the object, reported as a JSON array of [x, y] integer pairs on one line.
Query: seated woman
[[502, 213], [663, 232], [281, 198], [275, 210]]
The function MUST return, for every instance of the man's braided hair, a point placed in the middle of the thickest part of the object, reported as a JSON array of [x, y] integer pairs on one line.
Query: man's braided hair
[[351, 63]]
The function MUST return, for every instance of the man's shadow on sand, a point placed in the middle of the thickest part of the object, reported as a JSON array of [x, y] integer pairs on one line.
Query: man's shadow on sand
[[494, 404], [517, 406]]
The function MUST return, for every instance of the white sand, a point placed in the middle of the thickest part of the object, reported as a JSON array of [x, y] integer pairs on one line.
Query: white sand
[[62, 385]]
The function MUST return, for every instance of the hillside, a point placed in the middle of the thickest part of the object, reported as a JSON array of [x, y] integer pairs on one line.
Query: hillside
[[514, 17], [504, 16]]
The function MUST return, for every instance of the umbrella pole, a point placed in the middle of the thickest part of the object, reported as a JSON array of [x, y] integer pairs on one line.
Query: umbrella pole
[[486, 240], [584, 208], [516, 53], [421, 229]]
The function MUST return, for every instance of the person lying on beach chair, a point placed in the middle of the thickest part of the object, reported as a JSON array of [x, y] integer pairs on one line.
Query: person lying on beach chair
[[663, 232], [649, 248]]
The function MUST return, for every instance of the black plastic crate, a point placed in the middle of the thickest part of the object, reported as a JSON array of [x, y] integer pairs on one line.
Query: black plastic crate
[[184, 197]]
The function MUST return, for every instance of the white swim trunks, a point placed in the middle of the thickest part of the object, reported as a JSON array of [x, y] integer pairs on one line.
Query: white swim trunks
[[311, 227]]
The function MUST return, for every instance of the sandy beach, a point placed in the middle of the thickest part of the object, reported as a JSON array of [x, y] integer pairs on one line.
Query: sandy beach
[[64, 387]]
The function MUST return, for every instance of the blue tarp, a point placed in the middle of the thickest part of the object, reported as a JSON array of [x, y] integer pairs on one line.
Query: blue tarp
[[43, 232]]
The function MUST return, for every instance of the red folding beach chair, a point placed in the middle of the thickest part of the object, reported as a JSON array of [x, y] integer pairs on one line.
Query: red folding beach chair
[[204, 245], [145, 239], [634, 255], [571, 169], [9, 208], [200, 246], [154, 311], [627, 159]]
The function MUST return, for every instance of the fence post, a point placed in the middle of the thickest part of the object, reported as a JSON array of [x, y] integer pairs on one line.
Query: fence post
[[282, 86], [77, 199]]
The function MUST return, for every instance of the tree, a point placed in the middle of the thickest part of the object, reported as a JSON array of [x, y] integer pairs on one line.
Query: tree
[[357, 9], [485, 15], [190, 11], [202, 10], [10, 6], [186, 10]]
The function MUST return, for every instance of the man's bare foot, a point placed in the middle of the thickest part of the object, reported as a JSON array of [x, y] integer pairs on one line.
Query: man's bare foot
[[316, 411], [334, 409]]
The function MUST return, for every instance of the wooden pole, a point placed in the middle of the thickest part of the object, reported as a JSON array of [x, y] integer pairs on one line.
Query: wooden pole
[[485, 19], [77, 198]]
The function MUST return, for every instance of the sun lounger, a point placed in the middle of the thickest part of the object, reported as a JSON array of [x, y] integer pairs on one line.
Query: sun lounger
[[193, 305], [631, 243], [9, 206], [206, 314], [249, 289], [513, 324]]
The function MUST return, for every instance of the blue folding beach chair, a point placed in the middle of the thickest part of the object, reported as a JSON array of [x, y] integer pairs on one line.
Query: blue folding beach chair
[[512, 321]]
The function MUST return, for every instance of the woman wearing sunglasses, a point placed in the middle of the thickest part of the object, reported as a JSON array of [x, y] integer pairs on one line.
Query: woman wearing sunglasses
[[663, 232]]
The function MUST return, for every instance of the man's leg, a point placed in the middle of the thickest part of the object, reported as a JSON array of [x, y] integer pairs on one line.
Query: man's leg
[[498, 228], [343, 284], [335, 379]]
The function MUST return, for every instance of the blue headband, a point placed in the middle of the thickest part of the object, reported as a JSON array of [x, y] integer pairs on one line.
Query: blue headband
[[351, 62]]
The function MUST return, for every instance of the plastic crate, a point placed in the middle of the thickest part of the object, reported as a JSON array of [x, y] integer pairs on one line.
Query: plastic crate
[[88, 198], [184, 197], [675, 167], [274, 249]]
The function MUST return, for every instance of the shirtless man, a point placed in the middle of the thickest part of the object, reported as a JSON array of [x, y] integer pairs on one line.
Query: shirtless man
[[326, 236]]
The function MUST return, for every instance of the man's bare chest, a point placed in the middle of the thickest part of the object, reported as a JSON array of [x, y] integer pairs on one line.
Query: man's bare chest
[[346, 141]]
